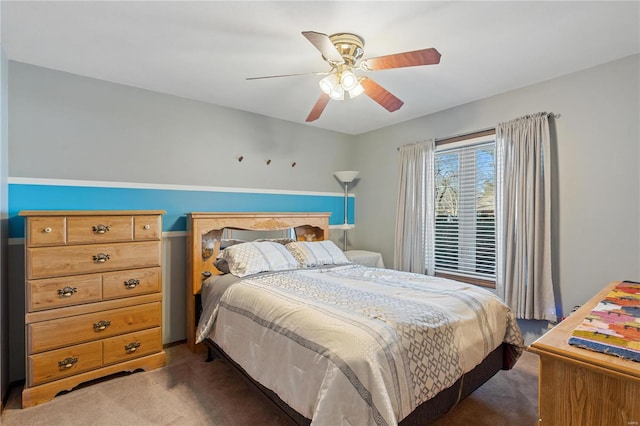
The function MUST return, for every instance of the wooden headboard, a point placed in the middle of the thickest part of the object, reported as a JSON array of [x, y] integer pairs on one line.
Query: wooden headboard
[[201, 226]]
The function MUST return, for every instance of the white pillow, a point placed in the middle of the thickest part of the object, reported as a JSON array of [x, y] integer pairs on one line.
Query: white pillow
[[317, 253], [250, 258]]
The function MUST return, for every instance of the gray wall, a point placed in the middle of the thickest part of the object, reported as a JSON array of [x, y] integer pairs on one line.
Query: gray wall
[[66, 126], [596, 195]]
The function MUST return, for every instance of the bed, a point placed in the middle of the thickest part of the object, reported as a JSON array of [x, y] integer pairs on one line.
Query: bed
[[332, 342]]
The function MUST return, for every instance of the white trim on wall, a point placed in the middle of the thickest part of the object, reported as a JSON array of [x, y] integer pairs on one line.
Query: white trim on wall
[[162, 186]]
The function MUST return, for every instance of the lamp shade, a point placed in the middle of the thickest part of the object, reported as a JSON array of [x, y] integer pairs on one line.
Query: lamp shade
[[348, 80], [346, 176], [356, 91], [337, 93], [328, 83]]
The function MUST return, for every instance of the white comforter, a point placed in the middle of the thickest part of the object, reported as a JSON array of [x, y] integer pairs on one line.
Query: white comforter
[[355, 345]]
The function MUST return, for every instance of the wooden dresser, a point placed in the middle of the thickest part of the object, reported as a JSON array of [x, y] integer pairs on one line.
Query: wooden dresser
[[582, 387], [93, 296]]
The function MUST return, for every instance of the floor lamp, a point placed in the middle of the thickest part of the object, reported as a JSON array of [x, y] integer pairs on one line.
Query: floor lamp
[[346, 177]]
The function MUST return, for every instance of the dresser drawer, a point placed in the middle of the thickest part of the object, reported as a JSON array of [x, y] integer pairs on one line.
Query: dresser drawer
[[147, 227], [43, 262], [46, 231], [130, 283], [65, 362], [99, 229], [57, 333], [64, 291], [133, 345]]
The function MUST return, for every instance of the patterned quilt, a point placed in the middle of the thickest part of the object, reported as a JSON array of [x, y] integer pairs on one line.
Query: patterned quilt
[[613, 326], [355, 345]]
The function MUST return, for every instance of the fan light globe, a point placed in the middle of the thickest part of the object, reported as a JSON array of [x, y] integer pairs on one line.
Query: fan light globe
[[337, 93], [356, 91], [328, 83], [348, 80]]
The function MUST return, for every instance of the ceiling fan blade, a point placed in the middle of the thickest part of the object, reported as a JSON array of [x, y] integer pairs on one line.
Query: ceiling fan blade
[[286, 75], [381, 95], [321, 103], [323, 43], [400, 60]]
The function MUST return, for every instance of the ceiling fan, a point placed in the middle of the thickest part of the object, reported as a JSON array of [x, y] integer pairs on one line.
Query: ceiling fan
[[343, 52]]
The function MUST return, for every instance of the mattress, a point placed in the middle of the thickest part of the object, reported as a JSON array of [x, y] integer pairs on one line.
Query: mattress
[[354, 345]]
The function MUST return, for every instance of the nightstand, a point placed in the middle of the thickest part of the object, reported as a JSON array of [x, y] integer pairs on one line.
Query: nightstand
[[365, 258]]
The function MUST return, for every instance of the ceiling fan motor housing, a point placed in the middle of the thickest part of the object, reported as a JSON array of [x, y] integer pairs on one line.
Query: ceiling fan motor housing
[[350, 47]]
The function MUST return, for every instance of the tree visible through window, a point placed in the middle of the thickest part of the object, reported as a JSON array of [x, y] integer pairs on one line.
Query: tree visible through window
[[465, 225]]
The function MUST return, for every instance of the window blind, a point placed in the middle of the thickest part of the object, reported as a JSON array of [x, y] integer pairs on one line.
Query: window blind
[[465, 225]]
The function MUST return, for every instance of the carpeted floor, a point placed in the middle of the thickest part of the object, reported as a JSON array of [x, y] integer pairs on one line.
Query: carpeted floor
[[189, 391]]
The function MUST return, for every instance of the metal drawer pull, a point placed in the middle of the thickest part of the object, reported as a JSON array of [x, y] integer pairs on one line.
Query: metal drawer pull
[[131, 347], [101, 257], [47, 230], [67, 291], [101, 229], [132, 283], [146, 227], [101, 325], [206, 274], [67, 363]]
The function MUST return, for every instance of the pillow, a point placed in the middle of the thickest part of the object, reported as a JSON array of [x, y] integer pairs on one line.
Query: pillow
[[283, 241], [222, 265], [317, 253], [228, 242], [251, 258]]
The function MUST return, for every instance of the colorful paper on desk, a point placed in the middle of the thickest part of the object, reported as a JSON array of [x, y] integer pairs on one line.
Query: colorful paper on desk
[[613, 326]]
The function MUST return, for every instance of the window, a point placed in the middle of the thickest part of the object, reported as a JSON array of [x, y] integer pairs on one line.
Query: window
[[465, 213]]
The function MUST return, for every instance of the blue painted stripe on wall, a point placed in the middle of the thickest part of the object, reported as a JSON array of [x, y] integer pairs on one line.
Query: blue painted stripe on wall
[[177, 203]]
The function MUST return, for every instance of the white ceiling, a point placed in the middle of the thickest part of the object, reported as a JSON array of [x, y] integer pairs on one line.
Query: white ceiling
[[203, 50]]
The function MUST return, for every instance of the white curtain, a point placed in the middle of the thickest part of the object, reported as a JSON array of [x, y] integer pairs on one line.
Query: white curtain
[[415, 224], [524, 267]]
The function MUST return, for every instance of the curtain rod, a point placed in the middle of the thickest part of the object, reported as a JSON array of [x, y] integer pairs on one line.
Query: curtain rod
[[549, 114]]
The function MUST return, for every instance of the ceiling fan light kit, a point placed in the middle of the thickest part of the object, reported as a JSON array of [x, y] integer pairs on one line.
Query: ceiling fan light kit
[[340, 81], [343, 52]]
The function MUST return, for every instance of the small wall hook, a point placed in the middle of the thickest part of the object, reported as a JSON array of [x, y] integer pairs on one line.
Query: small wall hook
[[268, 162], [293, 164], [240, 158]]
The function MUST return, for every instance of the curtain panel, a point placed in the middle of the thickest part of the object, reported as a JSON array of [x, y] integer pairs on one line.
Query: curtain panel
[[524, 267], [415, 222]]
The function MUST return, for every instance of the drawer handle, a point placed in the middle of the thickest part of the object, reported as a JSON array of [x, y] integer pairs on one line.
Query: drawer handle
[[206, 274], [67, 363], [101, 325], [47, 230], [131, 347], [101, 257], [132, 283], [146, 227], [67, 291], [101, 229]]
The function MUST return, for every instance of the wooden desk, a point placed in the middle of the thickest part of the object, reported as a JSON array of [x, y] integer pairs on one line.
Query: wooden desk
[[582, 387]]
